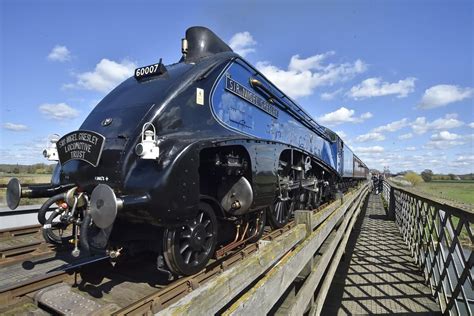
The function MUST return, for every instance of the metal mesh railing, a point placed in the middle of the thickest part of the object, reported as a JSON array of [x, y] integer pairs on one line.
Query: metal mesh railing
[[440, 238]]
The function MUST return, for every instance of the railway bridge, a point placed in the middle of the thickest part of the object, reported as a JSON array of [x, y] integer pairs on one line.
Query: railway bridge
[[397, 252]]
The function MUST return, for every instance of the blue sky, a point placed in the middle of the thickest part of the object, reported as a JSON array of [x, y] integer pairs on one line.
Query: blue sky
[[394, 77]]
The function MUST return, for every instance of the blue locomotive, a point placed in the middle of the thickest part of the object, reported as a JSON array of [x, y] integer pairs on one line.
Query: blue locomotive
[[189, 160]]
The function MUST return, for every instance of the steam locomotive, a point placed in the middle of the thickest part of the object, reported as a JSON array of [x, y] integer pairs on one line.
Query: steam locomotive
[[178, 156]]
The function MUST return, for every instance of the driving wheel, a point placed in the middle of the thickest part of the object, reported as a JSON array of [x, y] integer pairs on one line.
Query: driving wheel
[[281, 211]]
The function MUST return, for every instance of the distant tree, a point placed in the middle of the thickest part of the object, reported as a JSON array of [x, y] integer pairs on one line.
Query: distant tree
[[427, 175], [30, 169], [16, 170], [452, 176], [413, 178]]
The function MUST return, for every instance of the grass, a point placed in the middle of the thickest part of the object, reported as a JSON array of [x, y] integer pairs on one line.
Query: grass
[[458, 191], [28, 178], [25, 178]]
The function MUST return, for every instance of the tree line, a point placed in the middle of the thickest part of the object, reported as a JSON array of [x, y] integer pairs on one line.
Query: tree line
[[428, 176], [39, 168]]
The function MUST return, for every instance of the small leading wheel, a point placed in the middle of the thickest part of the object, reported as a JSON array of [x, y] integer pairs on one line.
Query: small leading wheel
[[188, 248], [281, 211], [256, 222]]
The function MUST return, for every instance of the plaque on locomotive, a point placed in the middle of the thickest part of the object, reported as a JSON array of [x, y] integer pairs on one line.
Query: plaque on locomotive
[[80, 145], [244, 93]]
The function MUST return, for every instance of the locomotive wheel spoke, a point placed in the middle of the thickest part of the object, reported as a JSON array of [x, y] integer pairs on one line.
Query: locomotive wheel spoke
[[280, 212], [188, 256], [184, 247], [188, 249]]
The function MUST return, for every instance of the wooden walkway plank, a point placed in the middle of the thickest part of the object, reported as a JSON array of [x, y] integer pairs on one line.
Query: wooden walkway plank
[[378, 275]]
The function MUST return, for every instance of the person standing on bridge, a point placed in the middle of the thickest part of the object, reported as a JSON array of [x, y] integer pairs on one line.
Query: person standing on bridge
[[380, 183], [375, 180]]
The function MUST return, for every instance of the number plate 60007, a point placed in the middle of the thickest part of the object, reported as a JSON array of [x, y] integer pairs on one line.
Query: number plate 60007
[[147, 71]]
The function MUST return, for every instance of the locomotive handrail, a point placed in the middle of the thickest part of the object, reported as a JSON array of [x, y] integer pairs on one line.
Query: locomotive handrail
[[440, 238], [258, 85], [279, 263]]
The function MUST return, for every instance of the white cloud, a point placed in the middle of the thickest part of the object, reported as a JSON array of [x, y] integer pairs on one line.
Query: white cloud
[[341, 134], [327, 96], [59, 53], [471, 125], [313, 62], [106, 75], [445, 139], [15, 127], [343, 115], [373, 136], [445, 135], [463, 161], [58, 111], [369, 150], [421, 125], [392, 127], [418, 159], [242, 43], [443, 94], [304, 75], [405, 136], [374, 87]]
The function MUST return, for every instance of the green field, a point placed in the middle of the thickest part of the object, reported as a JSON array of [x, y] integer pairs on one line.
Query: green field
[[457, 191]]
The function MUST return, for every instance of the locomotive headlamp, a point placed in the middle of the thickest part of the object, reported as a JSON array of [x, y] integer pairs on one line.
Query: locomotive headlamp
[[148, 148], [51, 152]]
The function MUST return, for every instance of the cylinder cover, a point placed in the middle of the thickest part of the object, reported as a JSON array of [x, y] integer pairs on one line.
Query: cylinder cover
[[238, 198]]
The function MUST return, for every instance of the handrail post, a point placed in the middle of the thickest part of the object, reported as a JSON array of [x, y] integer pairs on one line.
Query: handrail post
[[306, 218], [391, 205]]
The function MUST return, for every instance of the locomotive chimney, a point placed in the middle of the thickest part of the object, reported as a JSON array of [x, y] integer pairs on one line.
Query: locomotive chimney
[[201, 42]]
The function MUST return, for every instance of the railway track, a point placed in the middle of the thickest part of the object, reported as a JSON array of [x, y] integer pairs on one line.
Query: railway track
[[22, 243], [119, 288], [159, 295]]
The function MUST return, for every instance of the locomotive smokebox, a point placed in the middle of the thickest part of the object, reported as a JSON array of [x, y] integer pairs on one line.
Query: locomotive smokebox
[[104, 204], [201, 42]]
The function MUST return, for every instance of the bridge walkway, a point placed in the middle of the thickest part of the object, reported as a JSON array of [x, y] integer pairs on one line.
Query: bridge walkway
[[377, 274]]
